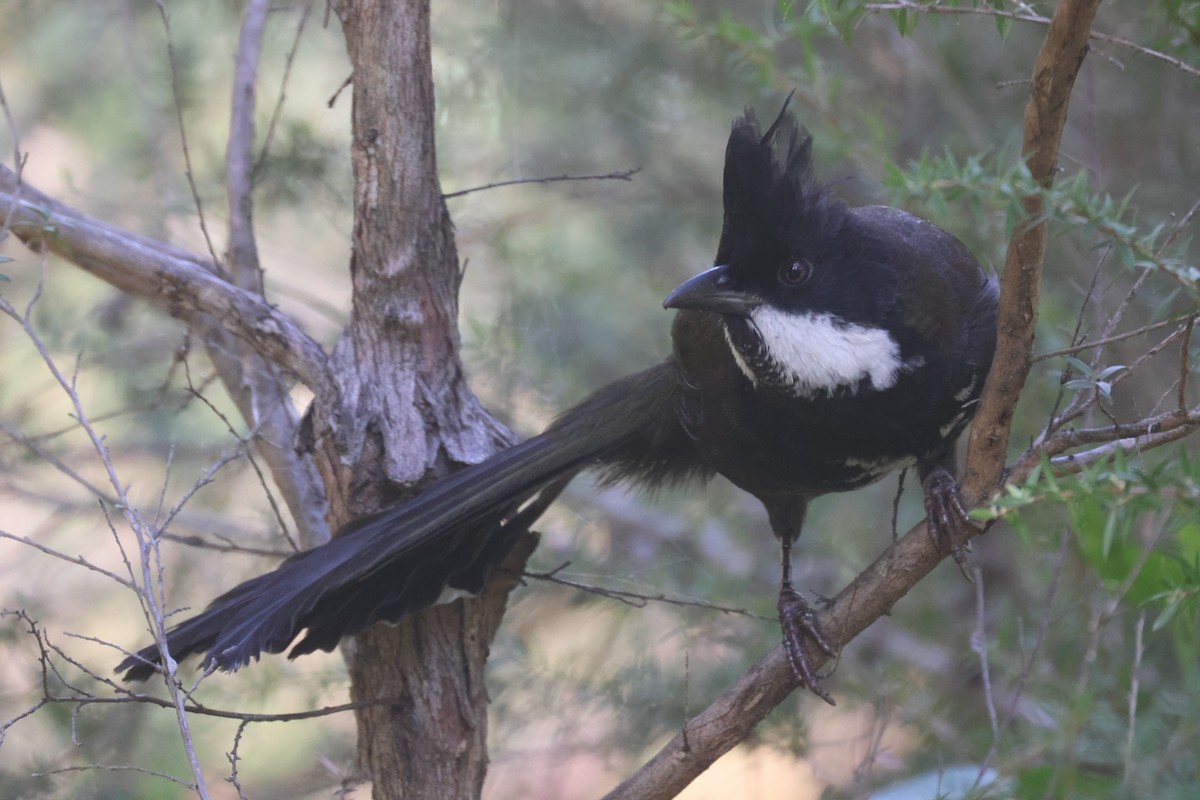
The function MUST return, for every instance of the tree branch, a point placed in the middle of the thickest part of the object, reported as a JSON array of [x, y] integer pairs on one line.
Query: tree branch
[[1054, 75], [253, 382], [170, 278], [242, 250]]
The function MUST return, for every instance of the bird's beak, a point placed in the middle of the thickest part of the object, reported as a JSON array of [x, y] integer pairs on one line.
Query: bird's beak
[[712, 290]]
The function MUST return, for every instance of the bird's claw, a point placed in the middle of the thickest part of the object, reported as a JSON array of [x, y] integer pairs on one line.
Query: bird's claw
[[798, 621], [947, 518]]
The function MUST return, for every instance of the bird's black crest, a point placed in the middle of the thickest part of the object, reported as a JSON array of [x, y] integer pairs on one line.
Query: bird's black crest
[[771, 195]]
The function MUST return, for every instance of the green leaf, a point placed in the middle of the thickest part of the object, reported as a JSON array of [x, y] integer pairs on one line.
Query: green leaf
[[1003, 26], [1171, 609], [906, 21], [1110, 530], [1046, 473], [1081, 366]]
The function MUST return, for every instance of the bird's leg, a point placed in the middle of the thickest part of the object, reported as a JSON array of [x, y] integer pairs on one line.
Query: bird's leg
[[946, 517], [798, 620]]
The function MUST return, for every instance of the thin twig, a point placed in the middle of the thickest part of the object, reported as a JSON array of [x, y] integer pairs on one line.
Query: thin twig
[[233, 759], [1185, 357], [341, 86], [183, 140], [121, 768], [78, 561], [48, 457], [1103, 613], [1134, 685], [123, 694], [1032, 660], [146, 540], [1052, 420], [1178, 228], [979, 645], [621, 175], [1116, 316], [262, 478], [1091, 398], [1079, 348], [225, 545], [277, 112], [635, 599], [18, 160], [927, 8]]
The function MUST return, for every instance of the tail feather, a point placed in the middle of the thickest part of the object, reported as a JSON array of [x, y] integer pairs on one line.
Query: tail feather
[[336, 588], [394, 563]]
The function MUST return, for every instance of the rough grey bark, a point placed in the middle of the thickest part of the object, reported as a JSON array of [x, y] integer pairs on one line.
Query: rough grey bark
[[403, 411]]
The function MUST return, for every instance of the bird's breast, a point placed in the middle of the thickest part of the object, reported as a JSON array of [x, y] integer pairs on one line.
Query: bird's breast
[[769, 441]]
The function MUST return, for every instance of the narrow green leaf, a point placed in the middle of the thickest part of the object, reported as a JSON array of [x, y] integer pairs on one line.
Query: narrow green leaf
[[1003, 26], [1110, 528], [1172, 608], [1081, 367]]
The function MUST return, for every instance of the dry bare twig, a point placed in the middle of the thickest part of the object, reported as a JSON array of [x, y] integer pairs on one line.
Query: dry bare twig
[[183, 139], [153, 604], [618, 175]]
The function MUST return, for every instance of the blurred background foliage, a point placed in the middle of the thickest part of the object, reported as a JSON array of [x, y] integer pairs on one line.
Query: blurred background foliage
[[1085, 606]]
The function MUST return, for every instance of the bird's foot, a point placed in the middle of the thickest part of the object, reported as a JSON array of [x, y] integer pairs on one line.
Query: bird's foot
[[947, 517], [798, 621]]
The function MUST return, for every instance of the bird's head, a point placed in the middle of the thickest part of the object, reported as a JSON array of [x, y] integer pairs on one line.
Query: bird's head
[[806, 307]]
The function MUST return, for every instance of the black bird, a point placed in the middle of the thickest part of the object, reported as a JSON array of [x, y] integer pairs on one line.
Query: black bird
[[828, 347]]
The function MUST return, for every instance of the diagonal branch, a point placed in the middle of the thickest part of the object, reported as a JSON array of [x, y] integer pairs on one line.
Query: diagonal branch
[[731, 717], [762, 687], [170, 278]]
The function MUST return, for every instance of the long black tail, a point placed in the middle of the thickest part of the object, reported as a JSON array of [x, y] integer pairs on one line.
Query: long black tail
[[398, 561]]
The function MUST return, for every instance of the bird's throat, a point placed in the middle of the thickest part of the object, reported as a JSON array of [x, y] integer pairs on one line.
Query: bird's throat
[[810, 354]]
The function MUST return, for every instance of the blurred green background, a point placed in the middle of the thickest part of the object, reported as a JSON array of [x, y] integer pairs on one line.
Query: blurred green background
[[563, 293]]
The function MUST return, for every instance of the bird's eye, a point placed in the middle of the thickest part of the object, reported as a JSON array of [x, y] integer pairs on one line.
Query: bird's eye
[[795, 272]]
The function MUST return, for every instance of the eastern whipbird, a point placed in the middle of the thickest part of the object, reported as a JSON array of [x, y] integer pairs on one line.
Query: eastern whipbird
[[828, 347]]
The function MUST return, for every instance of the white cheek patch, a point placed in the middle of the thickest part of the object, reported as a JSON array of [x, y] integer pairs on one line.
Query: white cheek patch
[[817, 353]]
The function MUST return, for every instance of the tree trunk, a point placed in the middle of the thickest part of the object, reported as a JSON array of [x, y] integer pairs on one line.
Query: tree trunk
[[404, 413]]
